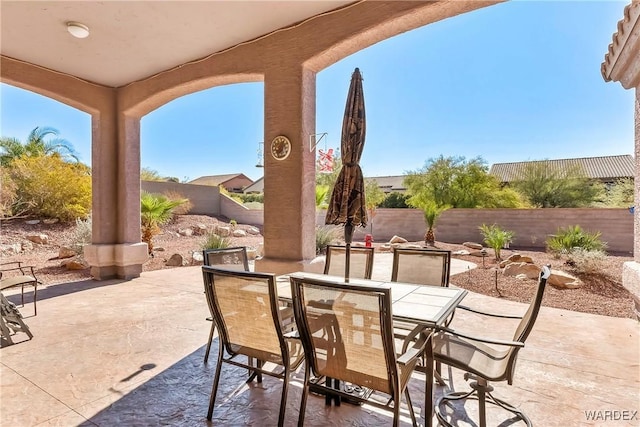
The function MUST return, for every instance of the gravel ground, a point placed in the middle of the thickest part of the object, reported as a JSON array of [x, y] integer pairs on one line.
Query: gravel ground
[[602, 293]]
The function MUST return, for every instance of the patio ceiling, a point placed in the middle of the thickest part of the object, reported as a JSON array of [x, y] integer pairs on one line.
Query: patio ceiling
[[132, 40]]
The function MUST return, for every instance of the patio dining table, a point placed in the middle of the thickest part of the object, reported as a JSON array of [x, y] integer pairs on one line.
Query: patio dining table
[[424, 306]]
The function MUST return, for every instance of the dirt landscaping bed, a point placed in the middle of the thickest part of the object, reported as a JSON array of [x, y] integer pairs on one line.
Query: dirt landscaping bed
[[602, 293]]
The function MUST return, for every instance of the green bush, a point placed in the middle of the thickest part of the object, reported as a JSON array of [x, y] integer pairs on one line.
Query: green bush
[[394, 200], [50, 187], [325, 236], [572, 237], [496, 238], [215, 241]]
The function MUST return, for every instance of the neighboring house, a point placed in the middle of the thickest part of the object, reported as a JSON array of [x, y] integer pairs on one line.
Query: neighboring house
[[389, 184], [233, 183], [606, 169], [256, 188]]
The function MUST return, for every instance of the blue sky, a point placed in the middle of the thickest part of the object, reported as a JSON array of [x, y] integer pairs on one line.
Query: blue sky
[[512, 82]]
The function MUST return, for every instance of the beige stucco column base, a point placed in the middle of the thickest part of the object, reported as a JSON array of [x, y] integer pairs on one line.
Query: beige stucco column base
[[282, 266], [631, 282], [122, 261]]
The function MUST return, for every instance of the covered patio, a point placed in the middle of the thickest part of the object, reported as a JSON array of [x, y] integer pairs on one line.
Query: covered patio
[[120, 352]]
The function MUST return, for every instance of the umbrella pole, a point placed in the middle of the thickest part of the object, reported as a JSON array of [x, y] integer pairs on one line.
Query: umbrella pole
[[348, 237]]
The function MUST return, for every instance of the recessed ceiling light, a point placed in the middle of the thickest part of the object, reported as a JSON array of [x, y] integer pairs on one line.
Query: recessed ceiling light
[[78, 30]]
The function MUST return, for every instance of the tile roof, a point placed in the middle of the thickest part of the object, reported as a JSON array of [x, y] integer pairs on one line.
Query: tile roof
[[619, 39], [389, 183], [603, 168], [216, 179]]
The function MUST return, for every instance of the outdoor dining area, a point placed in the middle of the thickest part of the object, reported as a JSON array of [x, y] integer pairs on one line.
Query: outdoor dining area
[[132, 353]]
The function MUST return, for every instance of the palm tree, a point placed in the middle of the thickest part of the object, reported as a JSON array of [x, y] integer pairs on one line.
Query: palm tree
[[431, 214], [37, 145], [155, 210]]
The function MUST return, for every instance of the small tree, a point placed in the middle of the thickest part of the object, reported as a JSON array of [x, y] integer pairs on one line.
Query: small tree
[[496, 238], [155, 210], [373, 197]]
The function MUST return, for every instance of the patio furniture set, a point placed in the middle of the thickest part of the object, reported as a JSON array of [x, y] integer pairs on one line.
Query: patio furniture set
[[354, 333]]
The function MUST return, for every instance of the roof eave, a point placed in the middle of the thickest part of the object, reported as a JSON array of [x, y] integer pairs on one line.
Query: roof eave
[[621, 61]]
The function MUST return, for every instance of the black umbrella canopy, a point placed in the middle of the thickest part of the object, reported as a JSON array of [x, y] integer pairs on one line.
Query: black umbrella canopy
[[347, 205]]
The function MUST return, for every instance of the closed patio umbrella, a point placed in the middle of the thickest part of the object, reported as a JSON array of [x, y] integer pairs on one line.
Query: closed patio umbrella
[[347, 204]]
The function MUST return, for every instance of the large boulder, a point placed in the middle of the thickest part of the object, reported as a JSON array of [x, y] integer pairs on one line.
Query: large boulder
[[239, 233], [516, 268], [198, 258], [66, 252], [516, 258], [199, 229], [185, 232], [223, 231], [176, 260], [398, 239], [254, 231], [563, 280]]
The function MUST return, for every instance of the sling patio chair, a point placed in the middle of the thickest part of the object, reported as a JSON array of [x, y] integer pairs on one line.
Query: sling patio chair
[[14, 274], [360, 261], [246, 312], [347, 335], [485, 359], [230, 258]]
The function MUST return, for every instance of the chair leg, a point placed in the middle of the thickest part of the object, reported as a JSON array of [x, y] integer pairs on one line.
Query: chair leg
[[35, 298], [206, 353], [305, 392], [413, 415], [216, 380], [283, 399]]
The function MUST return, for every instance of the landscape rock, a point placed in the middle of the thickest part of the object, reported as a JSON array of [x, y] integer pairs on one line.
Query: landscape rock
[[516, 258], [199, 229], [398, 239], [563, 280], [27, 245], [32, 221], [385, 248], [516, 268], [479, 253], [66, 252], [158, 249], [223, 231], [522, 277], [461, 252], [51, 221], [239, 233], [260, 249], [254, 231], [8, 249], [176, 260], [472, 245], [75, 264], [197, 257], [185, 232], [42, 239]]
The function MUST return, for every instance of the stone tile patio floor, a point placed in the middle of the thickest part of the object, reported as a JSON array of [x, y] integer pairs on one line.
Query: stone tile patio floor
[[117, 353]]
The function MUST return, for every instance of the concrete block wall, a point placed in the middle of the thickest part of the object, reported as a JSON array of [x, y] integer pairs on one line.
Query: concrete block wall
[[533, 226], [234, 210], [204, 198]]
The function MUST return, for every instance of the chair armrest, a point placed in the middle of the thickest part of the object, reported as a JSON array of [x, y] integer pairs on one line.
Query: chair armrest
[[21, 269], [409, 356], [417, 350], [482, 339], [484, 313], [10, 263]]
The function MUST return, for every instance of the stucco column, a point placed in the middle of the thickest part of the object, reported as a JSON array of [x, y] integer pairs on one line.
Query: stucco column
[[289, 184], [116, 250], [631, 270]]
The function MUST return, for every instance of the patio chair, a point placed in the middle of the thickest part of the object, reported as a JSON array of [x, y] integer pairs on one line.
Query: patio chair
[[230, 258], [11, 321], [246, 311], [19, 275], [360, 261], [484, 359], [347, 334], [421, 267]]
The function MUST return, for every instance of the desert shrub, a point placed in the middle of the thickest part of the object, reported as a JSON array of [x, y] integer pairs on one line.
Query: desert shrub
[[572, 237], [394, 200], [215, 241], [496, 238], [50, 187], [587, 261], [325, 236], [8, 195], [184, 207], [81, 235], [248, 198]]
